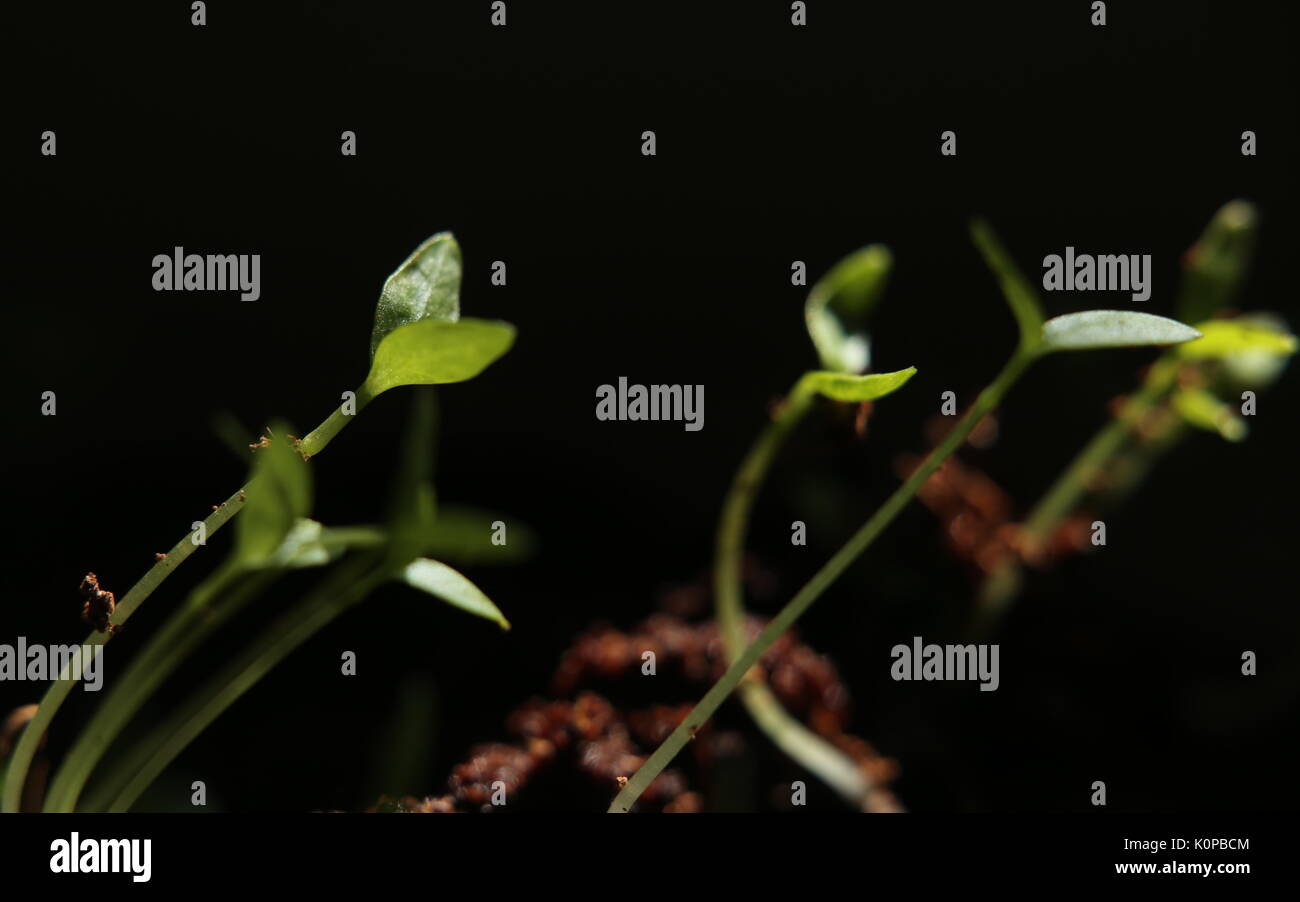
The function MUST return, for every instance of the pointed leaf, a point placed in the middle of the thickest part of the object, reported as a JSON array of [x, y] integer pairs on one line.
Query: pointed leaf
[[425, 287], [1225, 337], [441, 581], [838, 306], [433, 353], [842, 387], [1112, 329], [279, 494], [1214, 268], [1020, 295]]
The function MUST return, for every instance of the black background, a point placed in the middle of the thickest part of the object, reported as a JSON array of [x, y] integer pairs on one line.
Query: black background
[[774, 144]]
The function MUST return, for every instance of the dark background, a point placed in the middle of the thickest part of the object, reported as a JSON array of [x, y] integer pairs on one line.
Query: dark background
[[774, 144]]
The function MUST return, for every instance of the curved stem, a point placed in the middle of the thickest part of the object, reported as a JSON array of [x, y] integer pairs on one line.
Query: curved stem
[[205, 611], [316, 440], [57, 693], [134, 772], [988, 399], [835, 768]]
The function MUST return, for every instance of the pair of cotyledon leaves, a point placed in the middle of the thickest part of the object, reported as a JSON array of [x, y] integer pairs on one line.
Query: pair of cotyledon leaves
[[839, 304], [419, 338]]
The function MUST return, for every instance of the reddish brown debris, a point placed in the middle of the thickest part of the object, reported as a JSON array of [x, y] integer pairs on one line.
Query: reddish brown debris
[[861, 418], [39, 770], [805, 681], [97, 605], [686, 803], [591, 736], [13, 726], [975, 513], [984, 435]]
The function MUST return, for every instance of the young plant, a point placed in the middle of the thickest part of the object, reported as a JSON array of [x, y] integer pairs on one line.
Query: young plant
[[1196, 385], [418, 339], [1075, 331], [836, 313]]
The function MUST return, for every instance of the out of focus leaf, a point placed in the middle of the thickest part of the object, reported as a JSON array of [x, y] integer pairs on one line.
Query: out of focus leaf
[[1112, 329], [464, 535], [1257, 368], [1203, 410], [839, 304], [443, 582], [309, 544], [1225, 337], [1020, 295], [302, 547], [279, 494], [843, 387], [1215, 267]]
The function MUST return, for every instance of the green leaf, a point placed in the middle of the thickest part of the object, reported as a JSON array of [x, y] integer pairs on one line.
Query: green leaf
[[1256, 368], [1225, 337], [1112, 329], [433, 353], [441, 581], [306, 544], [464, 535], [279, 494], [1020, 295], [1203, 410], [839, 304], [842, 387], [310, 544], [1215, 267], [425, 287]]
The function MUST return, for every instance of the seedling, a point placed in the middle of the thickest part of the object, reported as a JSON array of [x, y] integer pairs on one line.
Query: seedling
[[418, 339], [836, 310]]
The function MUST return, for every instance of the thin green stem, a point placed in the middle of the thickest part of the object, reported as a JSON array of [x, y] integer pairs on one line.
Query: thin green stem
[[209, 607], [734, 521], [60, 688], [988, 399], [135, 771], [1074, 483], [54, 697], [1002, 587], [834, 767], [316, 440]]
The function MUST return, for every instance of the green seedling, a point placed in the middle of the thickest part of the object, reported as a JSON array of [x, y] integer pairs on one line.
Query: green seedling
[[836, 330], [418, 339]]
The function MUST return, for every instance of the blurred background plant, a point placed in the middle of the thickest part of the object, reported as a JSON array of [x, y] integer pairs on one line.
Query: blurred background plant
[[1204, 384]]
